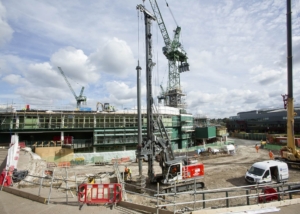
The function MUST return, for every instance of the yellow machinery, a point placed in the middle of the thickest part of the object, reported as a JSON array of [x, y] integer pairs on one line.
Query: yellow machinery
[[289, 153], [105, 108]]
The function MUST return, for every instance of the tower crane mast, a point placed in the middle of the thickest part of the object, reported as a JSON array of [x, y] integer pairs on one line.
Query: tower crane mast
[[79, 99], [175, 54]]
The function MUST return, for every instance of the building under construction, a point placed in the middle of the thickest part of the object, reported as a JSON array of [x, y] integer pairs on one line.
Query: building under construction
[[91, 131]]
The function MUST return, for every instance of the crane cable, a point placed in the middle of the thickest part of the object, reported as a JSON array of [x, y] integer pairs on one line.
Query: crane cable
[[297, 5], [138, 17], [171, 12]]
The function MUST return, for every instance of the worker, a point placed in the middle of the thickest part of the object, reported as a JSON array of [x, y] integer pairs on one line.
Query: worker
[[174, 170], [271, 155], [127, 173], [257, 148]]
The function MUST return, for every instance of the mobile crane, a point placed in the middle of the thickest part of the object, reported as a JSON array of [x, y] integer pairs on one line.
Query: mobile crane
[[289, 153], [174, 169]]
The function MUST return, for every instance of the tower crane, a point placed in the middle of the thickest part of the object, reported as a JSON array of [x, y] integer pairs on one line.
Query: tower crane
[[79, 99], [175, 54]]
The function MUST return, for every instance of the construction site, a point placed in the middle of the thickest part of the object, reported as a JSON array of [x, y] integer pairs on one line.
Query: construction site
[[154, 160], [224, 183]]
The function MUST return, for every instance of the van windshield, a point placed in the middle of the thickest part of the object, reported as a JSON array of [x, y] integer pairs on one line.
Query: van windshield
[[256, 171]]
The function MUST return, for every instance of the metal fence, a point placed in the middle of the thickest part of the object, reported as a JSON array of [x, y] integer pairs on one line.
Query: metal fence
[[180, 202]]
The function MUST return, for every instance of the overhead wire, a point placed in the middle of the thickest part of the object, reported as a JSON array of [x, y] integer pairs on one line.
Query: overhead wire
[[138, 17], [157, 69], [297, 13], [160, 83], [171, 12]]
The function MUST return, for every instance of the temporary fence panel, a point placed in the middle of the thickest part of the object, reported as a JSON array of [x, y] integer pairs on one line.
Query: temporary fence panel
[[99, 193]]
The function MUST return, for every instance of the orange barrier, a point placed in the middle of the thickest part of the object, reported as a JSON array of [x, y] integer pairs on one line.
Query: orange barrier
[[120, 160], [125, 159], [64, 164], [99, 193], [116, 160]]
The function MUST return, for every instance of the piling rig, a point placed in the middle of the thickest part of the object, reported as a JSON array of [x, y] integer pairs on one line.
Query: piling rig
[[174, 169], [289, 153]]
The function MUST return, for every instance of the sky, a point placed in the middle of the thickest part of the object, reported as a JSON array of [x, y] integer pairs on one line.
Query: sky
[[236, 51]]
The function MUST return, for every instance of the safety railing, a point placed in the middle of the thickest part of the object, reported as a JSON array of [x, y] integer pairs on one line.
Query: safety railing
[[198, 199]]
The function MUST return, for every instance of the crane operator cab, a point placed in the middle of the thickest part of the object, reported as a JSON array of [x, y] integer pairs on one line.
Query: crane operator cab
[[174, 173]]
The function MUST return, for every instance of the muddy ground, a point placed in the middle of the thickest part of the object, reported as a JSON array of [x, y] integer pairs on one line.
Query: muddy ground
[[221, 171]]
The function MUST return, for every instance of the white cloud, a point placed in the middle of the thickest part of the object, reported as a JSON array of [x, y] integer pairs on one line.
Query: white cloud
[[121, 90], [236, 51], [75, 65], [115, 58], [6, 31], [12, 79], [266, 76]]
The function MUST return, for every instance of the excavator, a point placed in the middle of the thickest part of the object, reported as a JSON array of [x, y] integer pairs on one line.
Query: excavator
[[105, 108], [289, 153], [177, 172]]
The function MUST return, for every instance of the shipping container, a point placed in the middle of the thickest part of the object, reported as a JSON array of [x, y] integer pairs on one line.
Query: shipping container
[[205, 132]]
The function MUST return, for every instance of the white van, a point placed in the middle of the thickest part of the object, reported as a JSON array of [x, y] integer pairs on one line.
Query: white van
[[267, 171]]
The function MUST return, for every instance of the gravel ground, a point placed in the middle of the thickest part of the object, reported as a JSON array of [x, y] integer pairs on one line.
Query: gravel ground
[[221, 171]]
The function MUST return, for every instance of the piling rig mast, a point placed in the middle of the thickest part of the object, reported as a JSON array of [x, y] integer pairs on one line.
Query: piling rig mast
[[289, 153], [175, 54], [148, 17]]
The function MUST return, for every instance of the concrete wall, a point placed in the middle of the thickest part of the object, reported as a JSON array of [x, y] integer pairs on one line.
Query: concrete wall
[[55, 154]]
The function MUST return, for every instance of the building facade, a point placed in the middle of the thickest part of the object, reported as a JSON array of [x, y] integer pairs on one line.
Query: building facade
[[263, 121], [91, 131]]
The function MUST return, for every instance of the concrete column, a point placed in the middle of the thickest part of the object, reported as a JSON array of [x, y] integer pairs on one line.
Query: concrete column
[[95, 138], [73, 121], [62, 138], [62, 125], [17, 122], [38, 122], [49, 124]]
